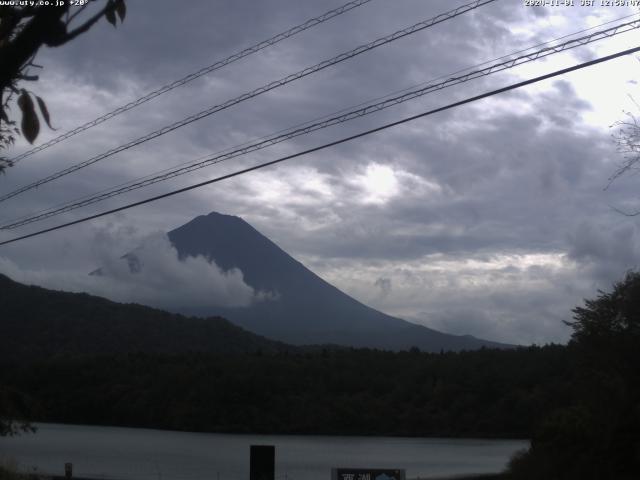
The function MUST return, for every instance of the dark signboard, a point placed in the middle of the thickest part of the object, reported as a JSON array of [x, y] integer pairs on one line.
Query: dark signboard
[[262, 462], [368, 474]]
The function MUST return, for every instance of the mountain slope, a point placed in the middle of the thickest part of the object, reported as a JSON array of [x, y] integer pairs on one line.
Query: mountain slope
[[39, 323], [306, 310]]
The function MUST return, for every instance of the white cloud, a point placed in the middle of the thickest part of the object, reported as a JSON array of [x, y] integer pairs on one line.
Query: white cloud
[[513, 298], [378, 183], [162, 280]]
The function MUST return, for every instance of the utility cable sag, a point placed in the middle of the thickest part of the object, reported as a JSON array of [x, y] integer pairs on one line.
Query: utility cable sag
[[197, 74], [331, 144], [254, 93], [318, 125]]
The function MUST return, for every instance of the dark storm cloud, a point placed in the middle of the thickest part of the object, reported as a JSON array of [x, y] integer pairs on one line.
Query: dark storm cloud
[[605, 253]]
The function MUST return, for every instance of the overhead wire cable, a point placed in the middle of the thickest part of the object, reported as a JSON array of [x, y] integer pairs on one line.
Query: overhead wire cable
[[478, 65], [194, 75], [195, 165], [254, 93], [202, 157], [307, 128], [176, 171], [466, 101], [391, 94]]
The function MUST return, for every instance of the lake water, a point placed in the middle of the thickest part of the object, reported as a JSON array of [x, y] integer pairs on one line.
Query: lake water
[[140, 454]]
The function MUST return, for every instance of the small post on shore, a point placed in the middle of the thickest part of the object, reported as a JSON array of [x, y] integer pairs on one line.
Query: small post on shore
[[262, 462], [68, 470]]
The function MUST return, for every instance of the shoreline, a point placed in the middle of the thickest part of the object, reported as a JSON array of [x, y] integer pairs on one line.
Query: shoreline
[[292, 434], [473, 476]]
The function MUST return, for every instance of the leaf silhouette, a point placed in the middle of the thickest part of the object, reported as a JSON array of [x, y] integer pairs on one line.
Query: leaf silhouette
[[30, 124], [44, 111], [110, 13], [121, 9]]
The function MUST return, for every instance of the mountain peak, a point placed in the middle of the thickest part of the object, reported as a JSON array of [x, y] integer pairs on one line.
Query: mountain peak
[[305, 308], [215, 219], [217, 215]]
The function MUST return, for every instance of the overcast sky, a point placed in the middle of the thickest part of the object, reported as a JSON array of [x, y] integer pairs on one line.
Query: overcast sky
[[491, 219]]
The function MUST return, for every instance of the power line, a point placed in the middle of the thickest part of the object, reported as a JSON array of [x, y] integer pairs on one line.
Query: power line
[[254, 93], [308, 127], [478, 65], [336, 142], [323, 123], [197, 74], [345, 109]]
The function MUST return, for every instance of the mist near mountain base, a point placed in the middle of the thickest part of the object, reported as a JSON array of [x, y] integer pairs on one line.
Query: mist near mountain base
[[160, 279]]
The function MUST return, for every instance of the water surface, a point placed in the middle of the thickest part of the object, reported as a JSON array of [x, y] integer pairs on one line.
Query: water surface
[[141, 454]]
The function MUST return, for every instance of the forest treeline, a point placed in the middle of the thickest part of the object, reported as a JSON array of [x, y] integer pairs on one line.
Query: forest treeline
[[38, 323], [486, 393]]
